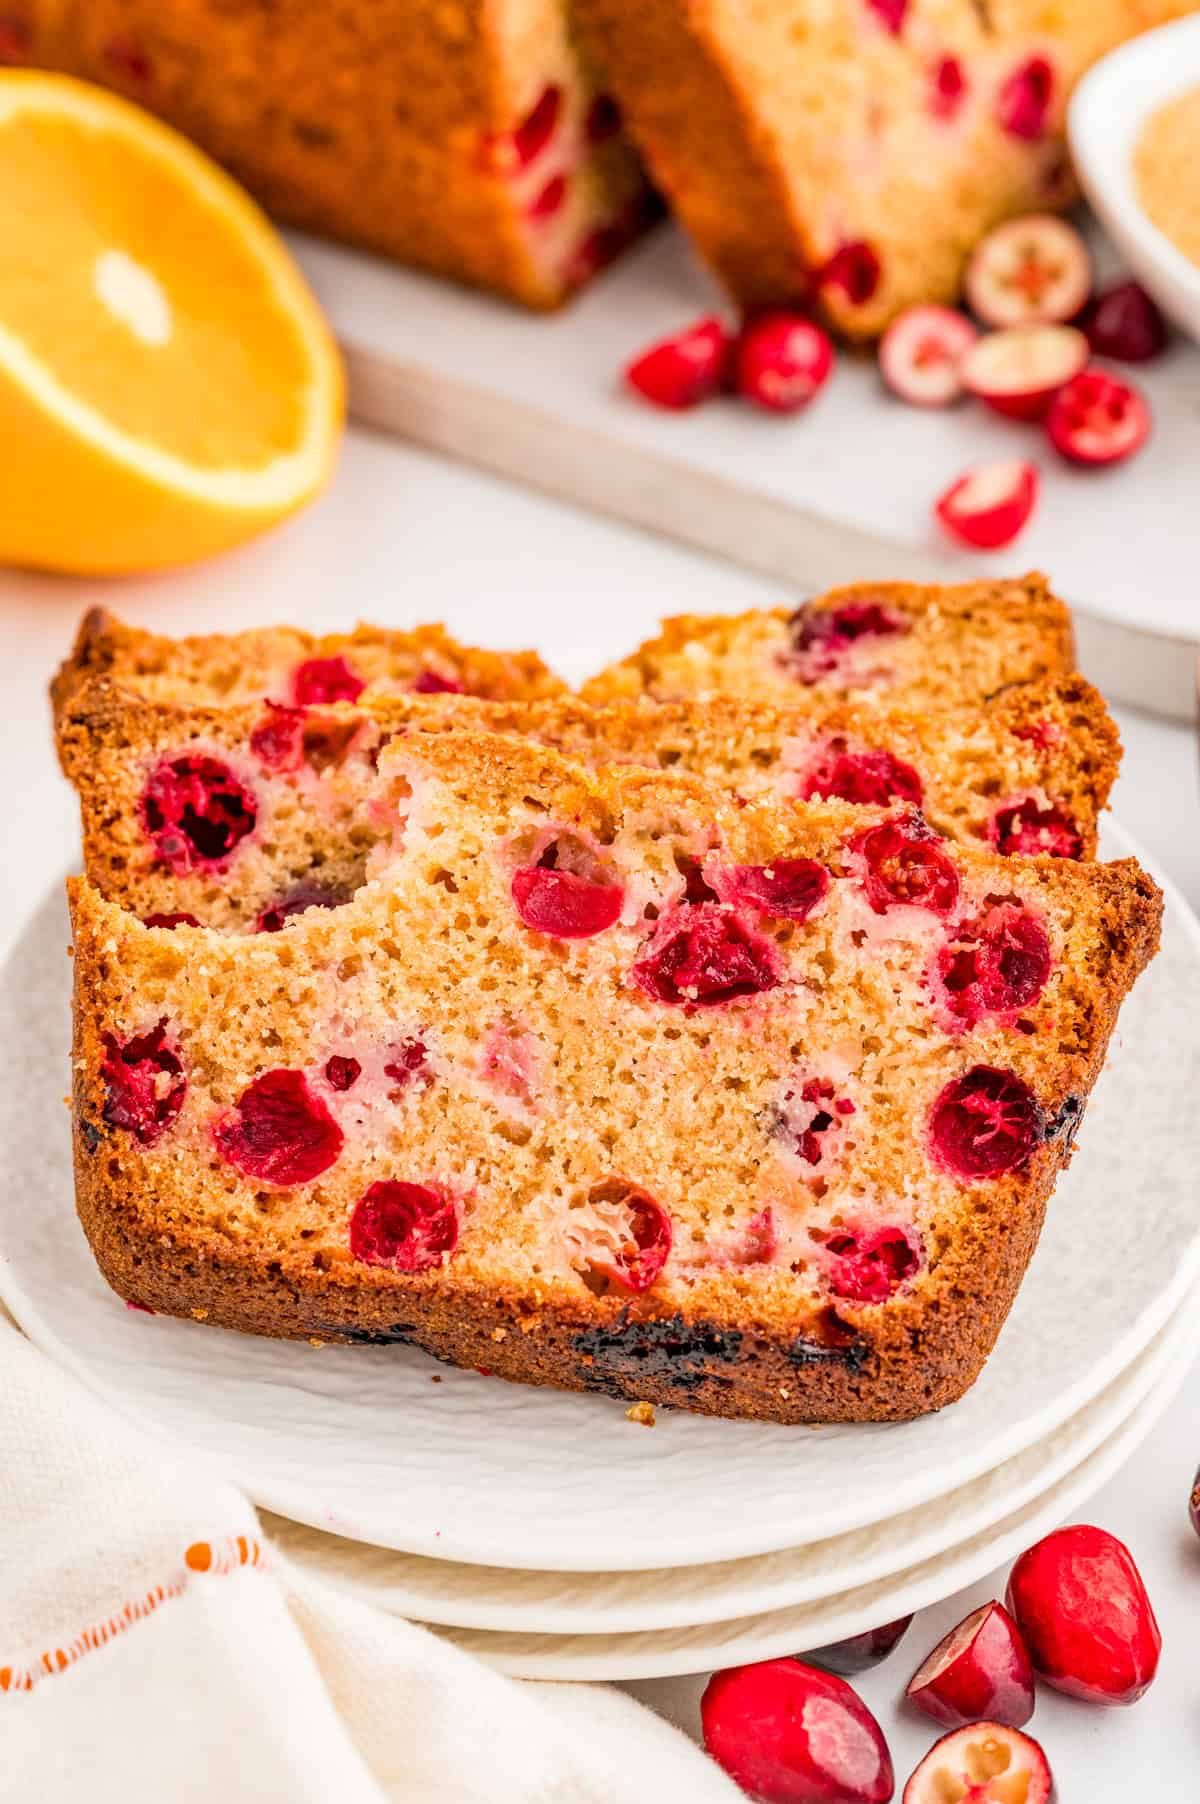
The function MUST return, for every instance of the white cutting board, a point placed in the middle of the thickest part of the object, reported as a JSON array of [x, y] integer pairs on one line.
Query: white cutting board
[[840, 493]]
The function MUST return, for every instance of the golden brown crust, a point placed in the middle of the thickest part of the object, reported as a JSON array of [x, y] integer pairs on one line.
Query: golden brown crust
[[721, 1341]]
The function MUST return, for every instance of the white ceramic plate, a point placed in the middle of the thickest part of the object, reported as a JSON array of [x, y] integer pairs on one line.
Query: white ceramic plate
[[380, 1445], [668, 1654], [608, 1603], [1108, 110]]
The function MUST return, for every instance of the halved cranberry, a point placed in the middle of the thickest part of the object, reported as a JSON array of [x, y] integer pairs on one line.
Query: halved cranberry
[[905, 867], [986, 1763], [1024, 98], [1124, 322], [341, 1074], [979, 1670], [871, 1267], [1096, 420], [855, 269], [1034, 270], [537, 128], [705, 955], [788, 1733], [280, 1131], [947, 87], [603, 119], [196, 812], [172, 921], [682, 370], [432, 682], [322, 680], [997, 962], [15, 39], [892, 13], [872, 777], [990, 504], [406, 1061], [1029, 830], [859, 1653], [1086, 1617], [789, 888], [274, 918], [985, 1123], [563, 904], [409, 1227], [921, 354], [145, 1084], [1043, 733], [618, 1231], [821, 637], [278, 740]]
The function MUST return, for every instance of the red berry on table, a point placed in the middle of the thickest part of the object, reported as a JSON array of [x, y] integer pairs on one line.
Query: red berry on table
[[979, 1672], [987, 1763], [921, 355], [1097, 419], [680, 371], [788, 1733], [1123, 322], [858, 1653], [1028, 272], [781, 360], [988, 505], [1020, 369], [1086, 1618]]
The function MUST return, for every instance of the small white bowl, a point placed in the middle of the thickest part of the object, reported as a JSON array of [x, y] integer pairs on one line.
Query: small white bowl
[[1108, 111]]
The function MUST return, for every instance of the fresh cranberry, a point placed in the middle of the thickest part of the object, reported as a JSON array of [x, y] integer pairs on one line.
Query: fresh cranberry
[[682, 370], [172, 921], [432, 682], [322, 680], [341, 1074], [947, 87], [275, 918], [145, 1084], [874, 778], [790, 888], [788, 1733], [905, 867], [855, 269], [871, 1267], [278, 740], [985, 1123], [1096, 420], [979, 1670], [1018, 370], [922, 352], [1030, 271], [280, 1131], [891, 12], [16, 39], [406, 1061], [987, 1763], [821, 637], [127, 58], [621, 1233], [859, 1653], [997, 962], [781, 360], [990, 504], [705, 955], [196, 812], [563, 904], [1026, 829], [409, 1227], [603, 119], [548, 200], [1124, 322], [1085, 1615], [1024, 98]]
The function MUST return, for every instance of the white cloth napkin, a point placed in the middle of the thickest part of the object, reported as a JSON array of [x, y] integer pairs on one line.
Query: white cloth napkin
[[153, 1647]]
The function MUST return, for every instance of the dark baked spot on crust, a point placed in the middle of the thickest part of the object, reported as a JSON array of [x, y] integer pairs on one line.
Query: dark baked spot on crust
[[400, 1334], [89, 1133], [830, 1341], [1064, 1124], [668, 1347]]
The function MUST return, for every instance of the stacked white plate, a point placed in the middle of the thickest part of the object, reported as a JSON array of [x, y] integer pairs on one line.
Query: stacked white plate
[[554, 1537]]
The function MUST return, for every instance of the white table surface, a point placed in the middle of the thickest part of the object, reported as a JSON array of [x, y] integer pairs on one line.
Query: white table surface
[[402, 537]]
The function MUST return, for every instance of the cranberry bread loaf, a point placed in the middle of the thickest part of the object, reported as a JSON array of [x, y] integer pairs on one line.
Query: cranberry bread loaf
[[923, 645], [607, 1083], [465, 138], [292, 669], [852, 152], [241, 817]]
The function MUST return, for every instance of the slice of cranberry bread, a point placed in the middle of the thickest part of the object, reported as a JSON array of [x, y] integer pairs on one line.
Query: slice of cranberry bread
[[288, 667], [608, 1083], [465, 138], [922, 645], [244, 816], [852, 152]]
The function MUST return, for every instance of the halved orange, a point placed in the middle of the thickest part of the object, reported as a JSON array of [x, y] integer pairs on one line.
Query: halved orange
[[168, 385]]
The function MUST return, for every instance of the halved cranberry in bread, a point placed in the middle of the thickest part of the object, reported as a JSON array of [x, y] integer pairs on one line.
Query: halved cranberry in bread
[[871, 776], [704, 955], [1025, 97], [408, 1227], [854, 270], [279, 1131], [322, 680], [986, 1123], [278, 739], [823, 638], [997, 962], [790, 888], [617, 1231], [906, 867], [563, 904], [196, 812], [1031, 829], [144, 1083], [870, 1266]]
